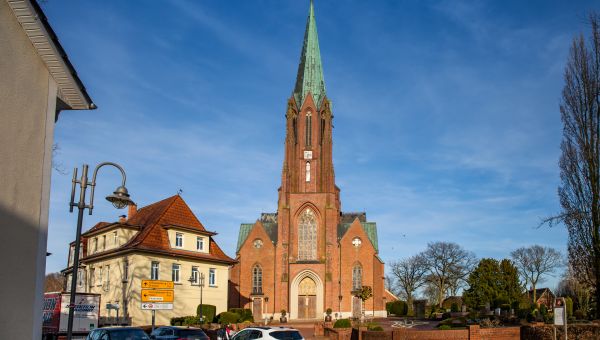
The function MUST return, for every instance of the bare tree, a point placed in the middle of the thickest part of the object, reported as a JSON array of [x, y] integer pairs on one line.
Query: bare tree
[[536, 261], [410, 274], [447, 263], [53, 282], [579, 163], [580, 293]]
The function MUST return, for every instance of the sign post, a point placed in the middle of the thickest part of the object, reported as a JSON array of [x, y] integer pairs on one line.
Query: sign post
[[560, 315], [157, 294]]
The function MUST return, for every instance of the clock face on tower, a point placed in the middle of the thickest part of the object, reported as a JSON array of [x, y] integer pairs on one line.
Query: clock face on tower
[[307, 154]]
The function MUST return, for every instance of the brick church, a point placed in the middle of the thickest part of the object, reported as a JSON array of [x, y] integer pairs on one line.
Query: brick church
[[308, 256]]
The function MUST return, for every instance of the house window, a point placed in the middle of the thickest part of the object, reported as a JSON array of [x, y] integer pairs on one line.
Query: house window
[[200, 243], [125, 270], [100, 276], [154, 271], [357, 277], [115, 238], [95, 244], [212, 277], [92, 277], [194, 275], [175, 272], [308, 171], [257, 280], [107, 268], [103, 242], [179, 240], [307, 236], [80, 278]]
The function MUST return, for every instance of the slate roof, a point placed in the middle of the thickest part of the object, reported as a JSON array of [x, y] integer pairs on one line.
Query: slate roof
[[153, 221]]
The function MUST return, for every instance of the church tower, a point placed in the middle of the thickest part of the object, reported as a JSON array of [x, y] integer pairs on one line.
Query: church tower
[[315, 259]]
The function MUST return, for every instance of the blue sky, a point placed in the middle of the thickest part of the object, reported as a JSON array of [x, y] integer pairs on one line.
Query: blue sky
[[446, 112]]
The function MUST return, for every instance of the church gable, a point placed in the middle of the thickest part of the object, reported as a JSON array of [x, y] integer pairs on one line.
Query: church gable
[[261, 231], [269, 224], [356, 230], [369, 228]]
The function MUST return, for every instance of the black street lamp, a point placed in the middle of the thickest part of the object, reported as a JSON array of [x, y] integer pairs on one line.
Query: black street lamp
[[119, 198], [200, 280]]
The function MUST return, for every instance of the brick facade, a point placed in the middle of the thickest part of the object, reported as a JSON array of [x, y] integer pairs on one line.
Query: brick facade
[[337, 242]]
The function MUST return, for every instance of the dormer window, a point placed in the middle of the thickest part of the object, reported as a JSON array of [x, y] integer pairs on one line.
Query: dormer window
[[200, 243], [179, 240]]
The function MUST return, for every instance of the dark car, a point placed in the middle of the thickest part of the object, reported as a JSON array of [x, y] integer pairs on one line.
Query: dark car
[[171, 332], [118, 333]]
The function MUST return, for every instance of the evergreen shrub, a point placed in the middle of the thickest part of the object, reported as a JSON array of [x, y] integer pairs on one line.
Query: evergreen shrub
[[342, 323]]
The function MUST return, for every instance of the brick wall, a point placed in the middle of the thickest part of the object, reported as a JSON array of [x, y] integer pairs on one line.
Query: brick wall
[[472, 333]]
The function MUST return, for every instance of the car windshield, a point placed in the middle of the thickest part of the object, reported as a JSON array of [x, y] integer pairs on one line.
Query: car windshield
[[128, 334], [286, 335]]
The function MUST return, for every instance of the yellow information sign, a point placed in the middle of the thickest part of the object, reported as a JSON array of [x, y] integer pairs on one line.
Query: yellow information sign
[[157, 295], [157, 284]]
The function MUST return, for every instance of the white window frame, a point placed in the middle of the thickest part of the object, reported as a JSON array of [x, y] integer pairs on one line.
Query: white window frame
[[179, 237], [155, 269], [195, 275], [95, 244], [199, 243], [100, 276], [115, 238], [92, 276], [212, 277], [175, 272]]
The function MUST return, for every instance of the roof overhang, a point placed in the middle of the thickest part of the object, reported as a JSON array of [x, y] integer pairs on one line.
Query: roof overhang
[[71, 91], [190, 229]]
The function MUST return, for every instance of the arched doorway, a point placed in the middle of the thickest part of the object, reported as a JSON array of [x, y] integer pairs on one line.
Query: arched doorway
[[306, 296], [307, 299]]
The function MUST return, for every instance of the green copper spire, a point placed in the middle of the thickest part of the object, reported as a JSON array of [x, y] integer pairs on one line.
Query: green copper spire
[[310, 71]]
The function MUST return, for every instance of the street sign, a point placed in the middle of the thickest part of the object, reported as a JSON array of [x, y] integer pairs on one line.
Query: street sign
[[157, 295], [112, 306], [156, 306], [157, 284]]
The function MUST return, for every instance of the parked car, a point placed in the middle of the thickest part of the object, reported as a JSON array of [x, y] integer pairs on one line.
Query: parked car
[[172, 333], [267, 333], [118, 333]]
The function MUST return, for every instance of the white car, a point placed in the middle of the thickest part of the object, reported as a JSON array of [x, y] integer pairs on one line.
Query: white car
[[279, 333]]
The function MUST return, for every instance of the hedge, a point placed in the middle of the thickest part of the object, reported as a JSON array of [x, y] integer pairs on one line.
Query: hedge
[[245, 314], [398, 308], [342, 323], [228, 318], [208, 312]]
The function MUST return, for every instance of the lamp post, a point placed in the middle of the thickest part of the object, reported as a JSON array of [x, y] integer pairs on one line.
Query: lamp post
[[200, 280], [119, 198]]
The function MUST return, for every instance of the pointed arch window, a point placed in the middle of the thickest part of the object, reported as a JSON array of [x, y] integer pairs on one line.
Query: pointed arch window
[[307, 236], [308, 171], [308, 128], [257, 280], [357, 277]]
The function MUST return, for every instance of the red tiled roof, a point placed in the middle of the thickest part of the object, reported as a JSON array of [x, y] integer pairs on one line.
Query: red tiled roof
[[153, 236]]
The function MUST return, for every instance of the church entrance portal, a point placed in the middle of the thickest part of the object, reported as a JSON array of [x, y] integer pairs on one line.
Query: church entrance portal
[[307, 299], [306, 296]]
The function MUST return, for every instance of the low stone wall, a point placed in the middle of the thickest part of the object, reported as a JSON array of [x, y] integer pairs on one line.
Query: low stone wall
[[474, 332], [338, 333], [410, 334], [576, 331]]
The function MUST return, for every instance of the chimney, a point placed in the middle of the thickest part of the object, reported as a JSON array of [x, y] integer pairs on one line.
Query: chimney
[[132, 210], [122, 219]]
